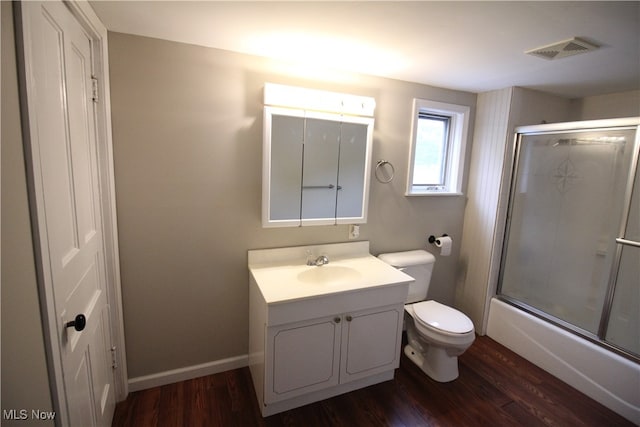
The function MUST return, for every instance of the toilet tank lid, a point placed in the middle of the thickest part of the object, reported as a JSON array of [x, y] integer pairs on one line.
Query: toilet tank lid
[[408, 258]]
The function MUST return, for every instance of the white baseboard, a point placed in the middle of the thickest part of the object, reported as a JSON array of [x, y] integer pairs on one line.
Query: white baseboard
[[187, 373]]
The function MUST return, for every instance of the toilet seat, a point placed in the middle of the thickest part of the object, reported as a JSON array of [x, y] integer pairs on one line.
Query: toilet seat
[[441, 318]]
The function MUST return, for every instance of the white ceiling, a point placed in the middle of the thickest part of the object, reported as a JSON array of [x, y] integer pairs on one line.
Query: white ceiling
[[472, 46]]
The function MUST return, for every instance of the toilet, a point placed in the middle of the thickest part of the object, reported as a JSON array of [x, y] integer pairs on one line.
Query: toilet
[[437, 333]]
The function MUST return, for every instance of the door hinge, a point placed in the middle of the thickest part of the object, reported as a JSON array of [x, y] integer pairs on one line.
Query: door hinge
[[114, 359], [94, 88]]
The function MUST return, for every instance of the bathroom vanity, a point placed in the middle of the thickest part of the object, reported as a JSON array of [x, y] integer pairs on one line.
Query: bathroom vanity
[[319, 331]]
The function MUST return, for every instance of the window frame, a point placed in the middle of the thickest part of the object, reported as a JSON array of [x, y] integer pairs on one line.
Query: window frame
[[453, 159], [444, 166]]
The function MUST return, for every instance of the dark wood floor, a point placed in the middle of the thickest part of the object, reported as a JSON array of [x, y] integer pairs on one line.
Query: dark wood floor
[[496, 387]]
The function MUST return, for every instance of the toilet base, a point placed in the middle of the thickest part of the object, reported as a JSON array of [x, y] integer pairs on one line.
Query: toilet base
[[436, 363]]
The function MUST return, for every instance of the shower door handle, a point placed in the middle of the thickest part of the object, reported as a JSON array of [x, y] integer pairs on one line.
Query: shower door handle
[[628, 242]]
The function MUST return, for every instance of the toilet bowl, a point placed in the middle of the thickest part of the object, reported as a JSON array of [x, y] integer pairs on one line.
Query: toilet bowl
[[437, 339], [437, 334]]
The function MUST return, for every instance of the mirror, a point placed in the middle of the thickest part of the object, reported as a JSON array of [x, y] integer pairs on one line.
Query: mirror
[[315, 168]]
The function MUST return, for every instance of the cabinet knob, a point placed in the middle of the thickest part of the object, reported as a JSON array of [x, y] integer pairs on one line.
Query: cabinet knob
[[349, 318], [336, 319]]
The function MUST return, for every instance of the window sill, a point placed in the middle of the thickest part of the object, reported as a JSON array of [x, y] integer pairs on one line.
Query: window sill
[[433, 193]]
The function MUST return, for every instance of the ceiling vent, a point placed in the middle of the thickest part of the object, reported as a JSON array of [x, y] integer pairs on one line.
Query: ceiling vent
[[563, 49]]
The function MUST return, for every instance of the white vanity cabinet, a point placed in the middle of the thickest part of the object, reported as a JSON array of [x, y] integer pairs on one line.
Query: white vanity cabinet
[[312, 355], [311, 340]]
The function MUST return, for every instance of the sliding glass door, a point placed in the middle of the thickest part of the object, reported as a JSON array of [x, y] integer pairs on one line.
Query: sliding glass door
[[571, 253], [623, 326]]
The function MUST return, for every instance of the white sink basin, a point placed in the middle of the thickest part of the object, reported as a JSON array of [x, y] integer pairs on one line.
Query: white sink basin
[[328, 275]]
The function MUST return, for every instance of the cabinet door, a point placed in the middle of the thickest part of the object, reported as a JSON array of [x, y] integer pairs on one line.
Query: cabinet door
[[352, 182], [371, 342], [287, 133], [305, 357], [320, 170]]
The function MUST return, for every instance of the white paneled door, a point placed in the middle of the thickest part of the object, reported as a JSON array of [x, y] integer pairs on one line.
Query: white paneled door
[[64, 162]]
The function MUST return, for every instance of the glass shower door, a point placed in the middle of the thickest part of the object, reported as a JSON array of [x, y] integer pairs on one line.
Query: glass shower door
[[567, 199], [624, 319]]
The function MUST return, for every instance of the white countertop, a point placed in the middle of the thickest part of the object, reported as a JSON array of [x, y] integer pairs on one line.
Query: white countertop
[[283, 280]]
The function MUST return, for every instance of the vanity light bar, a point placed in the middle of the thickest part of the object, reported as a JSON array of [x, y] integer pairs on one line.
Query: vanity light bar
[[318, 100]]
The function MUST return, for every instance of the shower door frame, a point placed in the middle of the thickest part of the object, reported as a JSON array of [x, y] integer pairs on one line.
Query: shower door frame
[[509, 179]]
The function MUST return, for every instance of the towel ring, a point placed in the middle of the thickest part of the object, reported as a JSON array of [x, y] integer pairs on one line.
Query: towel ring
[[378, 166]]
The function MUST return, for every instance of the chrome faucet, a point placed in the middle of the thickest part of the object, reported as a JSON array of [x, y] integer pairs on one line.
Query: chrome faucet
[[320, 261]]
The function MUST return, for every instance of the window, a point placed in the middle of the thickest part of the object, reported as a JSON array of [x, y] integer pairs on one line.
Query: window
[[438, 140]]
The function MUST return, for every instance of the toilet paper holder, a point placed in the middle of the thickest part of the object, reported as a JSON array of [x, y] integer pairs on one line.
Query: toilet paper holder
[[432, 238]]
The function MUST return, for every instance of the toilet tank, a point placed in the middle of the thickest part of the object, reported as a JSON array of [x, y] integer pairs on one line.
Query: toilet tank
[[417, 264]]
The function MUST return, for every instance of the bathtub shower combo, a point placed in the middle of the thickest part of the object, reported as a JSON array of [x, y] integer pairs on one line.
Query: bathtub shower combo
[[569, 286]]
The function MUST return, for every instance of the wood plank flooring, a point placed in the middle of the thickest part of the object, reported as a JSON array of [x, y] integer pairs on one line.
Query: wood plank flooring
[[496, 387]]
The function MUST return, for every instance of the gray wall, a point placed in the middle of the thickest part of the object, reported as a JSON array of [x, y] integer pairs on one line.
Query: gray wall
[[187, 134], [614, 105], [25, 384]]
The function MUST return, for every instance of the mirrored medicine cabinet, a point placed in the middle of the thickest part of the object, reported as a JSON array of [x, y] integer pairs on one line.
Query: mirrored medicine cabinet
[[316, 157]]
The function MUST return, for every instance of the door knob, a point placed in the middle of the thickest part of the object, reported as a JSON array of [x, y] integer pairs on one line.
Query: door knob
[[78, 323]]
